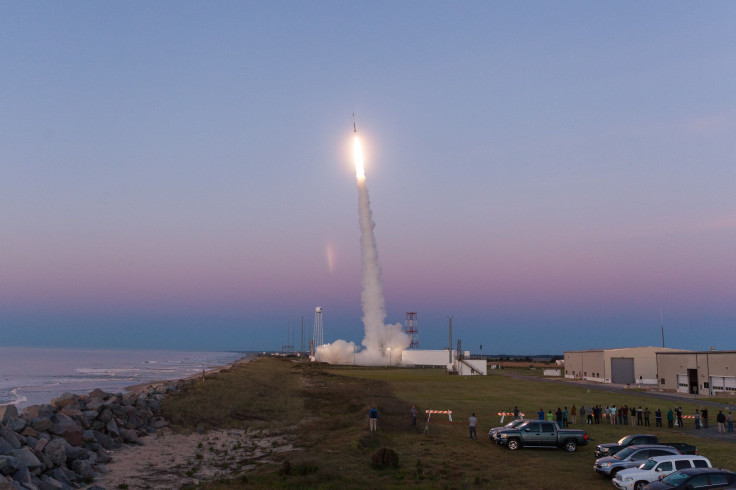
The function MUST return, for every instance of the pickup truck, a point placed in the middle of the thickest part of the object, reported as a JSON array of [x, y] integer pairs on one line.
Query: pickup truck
[[603, 450], [540, 433]]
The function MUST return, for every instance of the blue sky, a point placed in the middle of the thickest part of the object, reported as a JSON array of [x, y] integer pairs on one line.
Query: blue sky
[[551, 174]]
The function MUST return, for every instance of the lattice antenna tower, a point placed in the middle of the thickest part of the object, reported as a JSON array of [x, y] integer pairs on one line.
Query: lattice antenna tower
[[412, 329], [318, 335]]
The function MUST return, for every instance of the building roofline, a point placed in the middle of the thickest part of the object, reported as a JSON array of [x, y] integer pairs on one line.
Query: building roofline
[[700, 352]]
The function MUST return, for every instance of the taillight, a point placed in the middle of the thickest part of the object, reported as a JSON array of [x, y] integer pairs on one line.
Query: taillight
[[585, 437]]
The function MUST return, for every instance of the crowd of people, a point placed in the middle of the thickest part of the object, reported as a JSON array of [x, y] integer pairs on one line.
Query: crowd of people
[[596, 414], [633, 415]]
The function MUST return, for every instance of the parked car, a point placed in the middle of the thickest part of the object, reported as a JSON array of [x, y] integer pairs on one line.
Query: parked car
[[539, 433], [700, 478], [657, 468], [630, 457], [494, 431], [611, 448]]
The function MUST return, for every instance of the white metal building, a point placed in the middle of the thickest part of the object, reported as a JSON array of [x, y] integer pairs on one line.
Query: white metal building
[[463, 366], [631, 365], [705, 372]]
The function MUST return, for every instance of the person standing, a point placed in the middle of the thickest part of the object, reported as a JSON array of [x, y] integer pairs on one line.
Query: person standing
[[647, 413], [590, 414], [620, 415], [373, 418], [564, 418], [540, 414], [658, 417], [697, 418], [670, 418], [721, 419], [550, 416], [516, 413], [729, 421], [574, 414], [558, 417], [626, 414], [413, 415], [678, 412], [639, 416], [704, 417], [473, 423], [582, 413]]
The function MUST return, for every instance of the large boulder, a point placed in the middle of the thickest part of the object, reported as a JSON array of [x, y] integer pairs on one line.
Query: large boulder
[[105, 441], [48, 483], [65, 400], [130, 436], [55, 450], [105, 416], [5, 447], [25, 478], [83, 468], [35, 411], [8, 412], [98, 393], [42, 424], [94, 404], [10, 436], [67, 428], [27, 459], [112, 428], [8, 465]]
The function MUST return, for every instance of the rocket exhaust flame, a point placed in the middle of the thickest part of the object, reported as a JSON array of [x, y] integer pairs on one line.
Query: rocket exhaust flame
[[358, 157], [381, 341]]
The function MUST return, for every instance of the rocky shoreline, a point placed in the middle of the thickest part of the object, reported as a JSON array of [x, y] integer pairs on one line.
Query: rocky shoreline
[[66, 444]]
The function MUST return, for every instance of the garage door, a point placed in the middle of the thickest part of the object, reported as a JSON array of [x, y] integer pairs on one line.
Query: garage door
[[622, 370], [716, 384], [683, 383]]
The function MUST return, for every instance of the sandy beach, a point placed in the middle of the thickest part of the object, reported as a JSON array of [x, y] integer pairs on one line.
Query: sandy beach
[[167, 460]]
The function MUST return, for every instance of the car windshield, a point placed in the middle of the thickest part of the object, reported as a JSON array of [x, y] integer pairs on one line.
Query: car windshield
[[623, 440], [624, 453], [648, 464], [675, 479]]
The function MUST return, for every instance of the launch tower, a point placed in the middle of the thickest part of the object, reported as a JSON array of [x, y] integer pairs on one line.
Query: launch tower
[[411, 329], [318, 335]]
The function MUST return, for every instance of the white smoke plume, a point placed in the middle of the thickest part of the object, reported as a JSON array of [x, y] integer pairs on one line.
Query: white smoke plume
[[383, 344]]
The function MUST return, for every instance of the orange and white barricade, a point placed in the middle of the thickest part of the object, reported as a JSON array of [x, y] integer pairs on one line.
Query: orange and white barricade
[[429, 415], [510, 414]]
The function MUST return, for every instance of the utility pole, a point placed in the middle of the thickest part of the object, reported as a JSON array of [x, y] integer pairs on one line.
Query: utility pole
[[301, 348], [661, 326], [449, 346]]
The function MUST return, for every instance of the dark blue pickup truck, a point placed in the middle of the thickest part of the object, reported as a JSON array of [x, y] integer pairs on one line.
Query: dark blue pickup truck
[[540, 433]]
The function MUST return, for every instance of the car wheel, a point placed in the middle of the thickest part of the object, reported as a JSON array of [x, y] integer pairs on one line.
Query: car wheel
[[640, 485], [513, 444], [570, 446]]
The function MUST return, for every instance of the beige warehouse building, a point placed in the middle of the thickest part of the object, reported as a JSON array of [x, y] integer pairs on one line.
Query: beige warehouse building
[[700, 373], [631, 365]]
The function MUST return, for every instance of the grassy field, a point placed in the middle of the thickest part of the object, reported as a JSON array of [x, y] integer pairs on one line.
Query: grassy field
[[323, 410]]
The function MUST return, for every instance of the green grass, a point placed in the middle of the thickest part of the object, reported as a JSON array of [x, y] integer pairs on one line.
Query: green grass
[[325, 411]]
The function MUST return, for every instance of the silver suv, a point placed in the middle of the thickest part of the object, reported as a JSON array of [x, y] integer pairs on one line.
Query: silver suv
[[630, 457]]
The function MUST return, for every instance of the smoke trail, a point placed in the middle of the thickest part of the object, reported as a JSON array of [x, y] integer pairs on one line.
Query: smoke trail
[[383, 344]]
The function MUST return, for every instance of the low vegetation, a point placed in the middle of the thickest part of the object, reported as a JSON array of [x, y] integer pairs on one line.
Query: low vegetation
[[322, 410]]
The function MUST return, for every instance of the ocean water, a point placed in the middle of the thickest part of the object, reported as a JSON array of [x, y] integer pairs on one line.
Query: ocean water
[[31, 376]]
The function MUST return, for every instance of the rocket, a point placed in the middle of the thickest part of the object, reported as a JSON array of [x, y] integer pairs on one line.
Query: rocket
[[354, 130]]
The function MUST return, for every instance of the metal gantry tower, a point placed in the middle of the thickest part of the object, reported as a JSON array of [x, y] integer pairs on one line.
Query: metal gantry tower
[[411, 329], [318, 335]]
